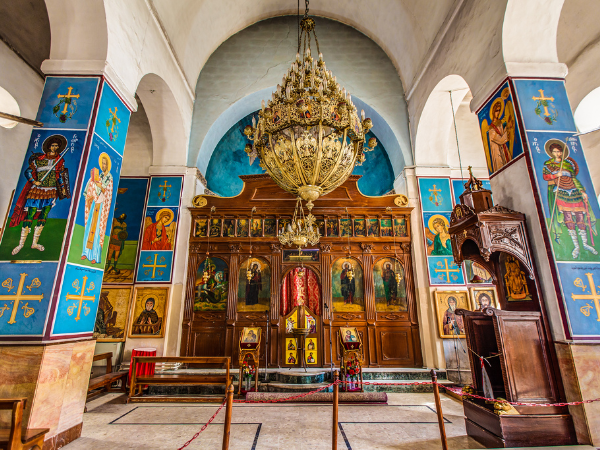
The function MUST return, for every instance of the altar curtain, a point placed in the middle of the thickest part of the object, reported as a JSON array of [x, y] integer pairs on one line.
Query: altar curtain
[[297, 290]]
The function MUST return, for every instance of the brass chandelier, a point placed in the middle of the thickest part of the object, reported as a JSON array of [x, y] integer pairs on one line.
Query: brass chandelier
[[301, 231], [309, 136]]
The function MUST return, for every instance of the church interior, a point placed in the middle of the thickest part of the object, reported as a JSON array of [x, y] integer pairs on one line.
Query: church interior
[[299, 225]]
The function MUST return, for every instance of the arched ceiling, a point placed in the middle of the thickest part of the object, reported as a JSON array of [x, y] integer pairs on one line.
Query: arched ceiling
[[248, 66], [404, 29]]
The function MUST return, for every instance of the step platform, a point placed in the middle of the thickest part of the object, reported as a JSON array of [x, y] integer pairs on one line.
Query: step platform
[[282, 381]]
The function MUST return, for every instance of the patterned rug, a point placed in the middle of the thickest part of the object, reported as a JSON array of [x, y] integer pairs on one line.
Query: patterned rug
[[326, 397]]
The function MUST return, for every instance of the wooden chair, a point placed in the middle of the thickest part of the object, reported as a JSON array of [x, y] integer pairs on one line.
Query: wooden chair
[[104, 382], [14, 438]]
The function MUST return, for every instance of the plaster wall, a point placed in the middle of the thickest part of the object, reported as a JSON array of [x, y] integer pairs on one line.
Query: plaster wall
[[26, 86], [137, 157]]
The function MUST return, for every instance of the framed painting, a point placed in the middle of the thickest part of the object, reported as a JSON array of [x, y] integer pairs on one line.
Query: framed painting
[[215, 227], [450, 324], [257, 227], [373, 228], [333, 229], [270, 227], [386, 227], [347, 285], [229, 228], [212, 279], [243, 227], [476, 273], [113, 313], [290, 344], [360, 228], [321, 226], [482, 297], [149, 312], [514, 279], [254, 287], [200, 227], [390, 287], [250, 335], [345, 227], [400, 226], [349, 335]]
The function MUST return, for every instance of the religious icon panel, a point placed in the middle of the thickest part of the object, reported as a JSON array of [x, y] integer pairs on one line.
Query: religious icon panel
[[347, 285], [499, 130], [332, 227], [400, 227], [113, 312], [257, 227], [165, 191], [436, 232], [250, 335], [345, 227], [229, 228], [38, 215], [125, 230], [450, 324], [435, 194], [359, 228], [149, 312], [160, 227], [514, 279], [475, 273], [200, 227], [373, 228], [242, 228], [390, 288], [270, 227], [215, 227], [212, 280], [254, 289], [89, 241], [482, 297], [386, 227]]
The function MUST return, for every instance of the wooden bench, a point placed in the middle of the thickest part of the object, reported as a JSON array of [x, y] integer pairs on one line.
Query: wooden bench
[[185, 379], [14, 438], [104, 382]]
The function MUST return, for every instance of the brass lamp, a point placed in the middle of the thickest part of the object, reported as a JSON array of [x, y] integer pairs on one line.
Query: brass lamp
[[309, 136]]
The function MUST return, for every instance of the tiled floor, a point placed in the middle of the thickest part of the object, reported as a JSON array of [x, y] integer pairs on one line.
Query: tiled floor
[[408, 421]]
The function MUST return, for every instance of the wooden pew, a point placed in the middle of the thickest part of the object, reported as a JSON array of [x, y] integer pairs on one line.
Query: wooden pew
[[14, 438], [104, 382], [186, 379]]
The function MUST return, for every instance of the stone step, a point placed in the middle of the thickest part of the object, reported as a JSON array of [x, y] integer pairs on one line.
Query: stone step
[[293, 377], [390, 386]]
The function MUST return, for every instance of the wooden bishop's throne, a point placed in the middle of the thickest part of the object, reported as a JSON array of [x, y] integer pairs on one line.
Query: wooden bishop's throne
[[515, 341]]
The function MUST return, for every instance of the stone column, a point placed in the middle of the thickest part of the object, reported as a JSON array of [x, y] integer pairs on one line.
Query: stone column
[[53, 250], [541, 170]]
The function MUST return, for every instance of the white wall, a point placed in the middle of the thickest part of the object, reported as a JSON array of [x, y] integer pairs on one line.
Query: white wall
[[26, 86]]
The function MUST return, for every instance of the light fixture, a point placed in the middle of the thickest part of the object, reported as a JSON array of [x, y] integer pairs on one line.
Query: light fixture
[[301, 231], [309, 136]]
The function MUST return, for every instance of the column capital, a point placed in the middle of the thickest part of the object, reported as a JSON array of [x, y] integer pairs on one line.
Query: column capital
[[66, 67]]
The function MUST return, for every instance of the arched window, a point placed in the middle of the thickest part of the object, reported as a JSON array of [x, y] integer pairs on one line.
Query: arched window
[[8, 105]]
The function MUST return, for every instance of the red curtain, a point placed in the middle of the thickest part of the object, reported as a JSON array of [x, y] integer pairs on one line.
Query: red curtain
[[304, 289]]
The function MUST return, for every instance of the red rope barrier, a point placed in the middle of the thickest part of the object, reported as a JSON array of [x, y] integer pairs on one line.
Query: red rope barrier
[[205, 425]]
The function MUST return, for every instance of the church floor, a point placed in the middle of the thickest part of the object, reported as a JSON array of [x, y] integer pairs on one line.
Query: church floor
[[408, 421]]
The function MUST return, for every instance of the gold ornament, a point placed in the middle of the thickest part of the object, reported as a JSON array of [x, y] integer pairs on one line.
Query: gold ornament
[[401, 201], [199, 201]]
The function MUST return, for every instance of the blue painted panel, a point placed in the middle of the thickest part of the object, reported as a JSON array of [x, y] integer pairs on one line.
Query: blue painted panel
[[435, 194], [580, 285], [552, 114], [73, 112], [112, 119], [229, 161], [458, 187], [28, 315], [165, 191], [70, 146], [556, 210], [155, 265], [443, 270], [500, 129], [78, 301], [377, 174], [89, 240]]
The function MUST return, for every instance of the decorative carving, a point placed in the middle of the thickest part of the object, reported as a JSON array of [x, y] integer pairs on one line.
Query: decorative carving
[[391, 316], [209, 192], [461, 212], [254, 317], [199, 201], [200, 177], [325, 248], [499, 210], [367, 248], [406, 247], [348, 316], [235, 248], [387, 247], [275, 248], [506, 236], [401, 201], [210, 316]]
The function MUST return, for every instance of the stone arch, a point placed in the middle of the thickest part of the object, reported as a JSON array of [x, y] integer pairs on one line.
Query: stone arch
[[169, 135], [529, 31], [435, 143], [79, 30]]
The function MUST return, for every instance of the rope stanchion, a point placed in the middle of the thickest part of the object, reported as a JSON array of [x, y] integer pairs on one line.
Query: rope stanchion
[[336, 392], [438, 409], [204, 426]]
